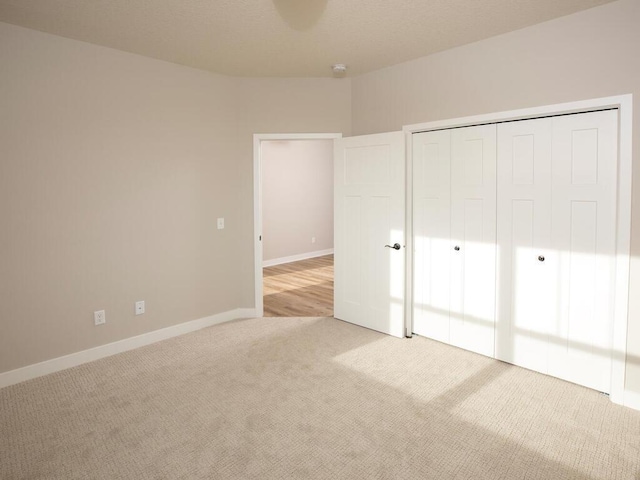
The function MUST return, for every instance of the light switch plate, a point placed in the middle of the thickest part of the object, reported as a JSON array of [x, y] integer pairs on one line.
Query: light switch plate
[[140, 307], [220, 223]]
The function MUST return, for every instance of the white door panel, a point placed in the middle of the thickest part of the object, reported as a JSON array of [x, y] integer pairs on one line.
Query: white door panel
[[432, 233], [454, 224], [369, 214], [473, 238], [526, 276], [583, 232], [556, 202]]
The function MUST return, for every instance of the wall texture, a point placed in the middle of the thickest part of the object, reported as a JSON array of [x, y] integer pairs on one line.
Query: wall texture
[[297, 197], [586, 55], [114, 168]]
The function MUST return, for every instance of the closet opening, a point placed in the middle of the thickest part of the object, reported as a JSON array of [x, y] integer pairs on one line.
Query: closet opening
[[519, 228]]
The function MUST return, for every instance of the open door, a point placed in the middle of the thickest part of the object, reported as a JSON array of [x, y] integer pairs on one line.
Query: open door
[[370, 231]]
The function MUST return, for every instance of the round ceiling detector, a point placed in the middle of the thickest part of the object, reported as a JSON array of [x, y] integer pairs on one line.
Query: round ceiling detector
[[339, 68]]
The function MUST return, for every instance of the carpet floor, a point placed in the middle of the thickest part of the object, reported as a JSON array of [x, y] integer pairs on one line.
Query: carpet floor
[[310, 398]]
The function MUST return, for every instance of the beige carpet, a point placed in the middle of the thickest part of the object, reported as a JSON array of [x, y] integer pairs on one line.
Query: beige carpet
[[305, 399]]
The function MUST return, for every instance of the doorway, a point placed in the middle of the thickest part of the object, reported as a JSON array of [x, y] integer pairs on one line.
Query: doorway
[[293, 221]]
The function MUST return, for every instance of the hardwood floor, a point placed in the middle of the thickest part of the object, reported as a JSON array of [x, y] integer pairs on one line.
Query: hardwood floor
[[299, 289]]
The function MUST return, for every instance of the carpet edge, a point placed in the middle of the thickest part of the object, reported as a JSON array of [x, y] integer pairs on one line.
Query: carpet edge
[[57, 364]]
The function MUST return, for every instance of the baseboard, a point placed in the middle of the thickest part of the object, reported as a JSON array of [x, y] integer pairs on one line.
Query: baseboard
[[74, 359], [296, 258], [632, 399]]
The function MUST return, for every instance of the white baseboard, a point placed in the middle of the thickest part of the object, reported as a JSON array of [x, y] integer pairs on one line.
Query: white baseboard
[[74, 359], [632, 399], [296, 258]]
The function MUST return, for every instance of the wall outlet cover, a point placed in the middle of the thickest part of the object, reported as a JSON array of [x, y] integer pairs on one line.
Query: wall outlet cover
[[99, 317]]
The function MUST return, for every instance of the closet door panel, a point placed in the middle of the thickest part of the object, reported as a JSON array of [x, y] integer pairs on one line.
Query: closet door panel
[[473, 238], [583, 232], [432, 230], [526, 277]]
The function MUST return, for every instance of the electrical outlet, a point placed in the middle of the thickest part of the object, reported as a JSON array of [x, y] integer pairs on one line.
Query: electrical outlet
[[313, 239], [99, 317], [220, 223], [140, 307]]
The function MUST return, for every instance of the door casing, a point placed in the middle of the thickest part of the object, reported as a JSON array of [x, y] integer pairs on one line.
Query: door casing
[[258, 138]]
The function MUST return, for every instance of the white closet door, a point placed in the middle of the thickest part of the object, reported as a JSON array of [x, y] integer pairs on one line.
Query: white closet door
[[369, 194], [473, 236], [583, 232], [432, 232], [527, 269]]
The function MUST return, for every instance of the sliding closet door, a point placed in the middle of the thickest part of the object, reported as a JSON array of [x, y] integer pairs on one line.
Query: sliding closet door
[[583, 232], [527, 268], [473, 236], [432, 232]]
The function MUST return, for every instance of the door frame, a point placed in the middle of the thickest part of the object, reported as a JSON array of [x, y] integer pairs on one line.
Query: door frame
[[624, 104], [258, 138]]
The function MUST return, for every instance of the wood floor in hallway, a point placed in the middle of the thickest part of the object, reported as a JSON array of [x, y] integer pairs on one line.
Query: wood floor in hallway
[[299, 289]]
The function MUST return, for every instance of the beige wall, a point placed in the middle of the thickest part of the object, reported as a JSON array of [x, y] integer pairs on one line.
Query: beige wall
[[297, 197], [113, 170], [288, 105], [586, 55]]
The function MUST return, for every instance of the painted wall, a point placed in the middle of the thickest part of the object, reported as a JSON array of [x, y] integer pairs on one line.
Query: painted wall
[[297, 197], [288, 105], [113, 170], [586, 55]]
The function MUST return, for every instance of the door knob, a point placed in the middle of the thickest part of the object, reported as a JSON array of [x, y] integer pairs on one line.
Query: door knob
[[456, 248], [541, 258], [395, 246]]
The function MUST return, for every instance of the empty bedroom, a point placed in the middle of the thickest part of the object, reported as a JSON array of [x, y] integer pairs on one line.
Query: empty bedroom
[[319, 239]]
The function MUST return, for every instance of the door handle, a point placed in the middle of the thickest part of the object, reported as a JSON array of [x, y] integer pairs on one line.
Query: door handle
[[395, 246]]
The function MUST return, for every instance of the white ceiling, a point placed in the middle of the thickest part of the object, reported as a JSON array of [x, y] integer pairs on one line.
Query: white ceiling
[[287, 38]]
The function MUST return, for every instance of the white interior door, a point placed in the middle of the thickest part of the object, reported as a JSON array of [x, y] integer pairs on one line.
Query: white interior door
[[527, 269], [432, 233], [369, 220], [556, 240], [473, 237], [583, 227]]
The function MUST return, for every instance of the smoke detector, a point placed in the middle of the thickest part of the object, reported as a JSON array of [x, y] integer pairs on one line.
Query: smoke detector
[[339, 68]]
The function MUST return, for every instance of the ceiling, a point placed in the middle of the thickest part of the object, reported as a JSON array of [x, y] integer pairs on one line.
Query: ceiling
[[284, 38]]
